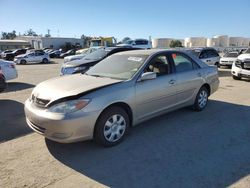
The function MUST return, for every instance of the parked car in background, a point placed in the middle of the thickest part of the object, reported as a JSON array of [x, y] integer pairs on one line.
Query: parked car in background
[[81, 51], [208, 55], [7, 72], [229, 58], [82, 65], [4, 52], [138, 43], [33, 57], [121, 91], [80, 56], [68, 53], [55, 54], [11, 55], [241, 67]]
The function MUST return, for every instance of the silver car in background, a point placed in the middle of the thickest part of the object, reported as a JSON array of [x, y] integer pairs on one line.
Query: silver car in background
[[121, 91]]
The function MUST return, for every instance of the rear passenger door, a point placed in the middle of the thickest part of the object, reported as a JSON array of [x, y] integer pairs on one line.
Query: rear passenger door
[[188, 77]]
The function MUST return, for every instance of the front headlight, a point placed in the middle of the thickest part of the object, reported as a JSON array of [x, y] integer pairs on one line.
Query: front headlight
[[69, 106], [238, 63], [79, 68]]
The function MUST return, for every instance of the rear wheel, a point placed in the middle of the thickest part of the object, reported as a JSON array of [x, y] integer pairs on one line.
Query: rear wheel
[[201, 99], [236, 77], [23, 62], [2, 84], [111, 127], [45, 60]]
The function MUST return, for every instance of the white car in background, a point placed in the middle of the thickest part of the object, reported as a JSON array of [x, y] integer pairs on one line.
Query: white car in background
[[7, 72], [82, 55], [229, 58], [32, 57], [241, 67], [138, 43]]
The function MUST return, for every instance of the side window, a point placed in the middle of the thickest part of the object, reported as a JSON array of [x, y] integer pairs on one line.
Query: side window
[[203, 54], [160, 65], [213, 53], [182, 63]]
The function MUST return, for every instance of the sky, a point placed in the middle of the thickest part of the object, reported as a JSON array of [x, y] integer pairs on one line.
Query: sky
[[127, 18]]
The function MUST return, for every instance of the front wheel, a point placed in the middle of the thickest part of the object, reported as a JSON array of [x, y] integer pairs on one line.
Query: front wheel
[[111, 127], [201, 99], [45, 60], [2, 84], [23, 62], [236, 77]]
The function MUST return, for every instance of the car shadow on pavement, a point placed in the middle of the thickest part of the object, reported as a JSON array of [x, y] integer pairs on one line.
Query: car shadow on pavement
[[12, 120], [17, 86], [179, 149]]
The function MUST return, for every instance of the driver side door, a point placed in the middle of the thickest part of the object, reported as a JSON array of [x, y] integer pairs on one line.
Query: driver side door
[[156, 95]]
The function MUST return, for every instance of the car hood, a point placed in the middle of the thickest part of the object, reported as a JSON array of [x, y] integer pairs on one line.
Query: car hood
[[76, 63], [22, 55], [72, 57], [244, 57], [6, 62], [66, 86], [228, 58]]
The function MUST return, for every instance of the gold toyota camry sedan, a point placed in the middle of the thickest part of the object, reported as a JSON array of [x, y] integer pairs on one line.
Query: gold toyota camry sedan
[[121, 91]]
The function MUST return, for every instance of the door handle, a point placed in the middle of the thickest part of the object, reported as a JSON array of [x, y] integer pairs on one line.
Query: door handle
[[208, 60], [171, 82], [199, 74]]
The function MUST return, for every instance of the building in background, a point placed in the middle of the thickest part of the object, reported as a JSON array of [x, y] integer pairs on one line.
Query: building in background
[[13, 44], [39, 42], [164, 42], [195, 42]]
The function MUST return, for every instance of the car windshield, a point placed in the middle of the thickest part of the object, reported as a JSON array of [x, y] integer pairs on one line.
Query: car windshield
[[194, 52], [231, 54], [247, 51], [96, 55], [129, 42], [118, 66]]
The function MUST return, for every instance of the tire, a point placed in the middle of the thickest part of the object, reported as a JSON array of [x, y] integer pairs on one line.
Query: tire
[[217, 64], [201, 99], [2, 84], [236, 77], [23, 62], [109, 133], [45, 60]]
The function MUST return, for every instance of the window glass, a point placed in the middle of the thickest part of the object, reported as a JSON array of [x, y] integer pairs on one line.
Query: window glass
[[182, 63], [212, 53], [203, 55], [159, 65]]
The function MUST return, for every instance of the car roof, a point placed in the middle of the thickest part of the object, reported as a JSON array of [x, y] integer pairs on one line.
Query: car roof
[[150, 51]]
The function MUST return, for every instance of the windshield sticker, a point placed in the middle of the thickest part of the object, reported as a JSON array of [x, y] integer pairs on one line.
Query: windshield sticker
[[137, 59]]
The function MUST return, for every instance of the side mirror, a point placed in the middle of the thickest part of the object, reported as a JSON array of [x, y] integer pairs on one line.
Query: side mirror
[[147, 76]]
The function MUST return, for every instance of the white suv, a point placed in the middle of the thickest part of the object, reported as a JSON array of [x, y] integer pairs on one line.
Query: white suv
[[241, 67], [208, 55], [33, 57], [138, 43]]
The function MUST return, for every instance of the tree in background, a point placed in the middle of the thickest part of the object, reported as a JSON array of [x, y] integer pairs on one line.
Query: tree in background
[[125, 39], [175, 43], [86, 42], [30, 32], [8, 35]]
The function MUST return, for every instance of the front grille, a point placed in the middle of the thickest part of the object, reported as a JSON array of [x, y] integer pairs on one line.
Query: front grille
[[246, 65], [39, 102]]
